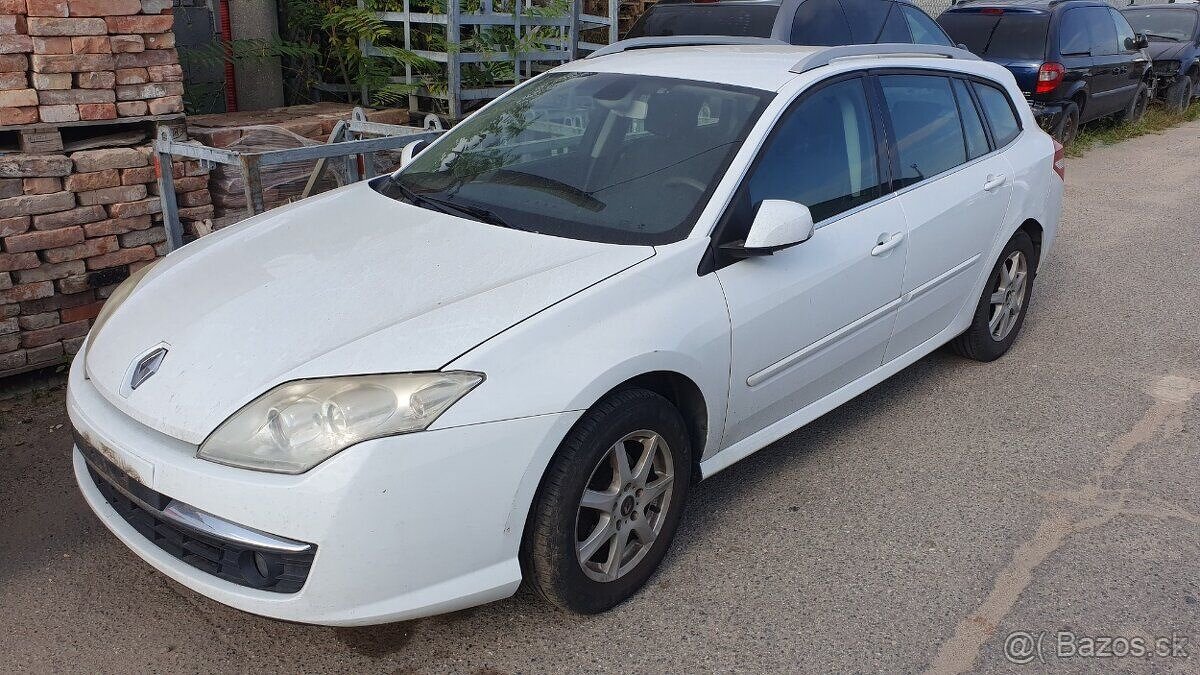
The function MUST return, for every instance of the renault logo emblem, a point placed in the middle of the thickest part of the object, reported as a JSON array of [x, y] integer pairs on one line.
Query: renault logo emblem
[[146, 367]]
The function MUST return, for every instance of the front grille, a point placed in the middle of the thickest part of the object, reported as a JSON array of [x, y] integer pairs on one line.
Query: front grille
[[231, 561]]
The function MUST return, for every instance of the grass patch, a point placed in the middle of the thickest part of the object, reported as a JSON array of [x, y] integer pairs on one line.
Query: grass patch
[[1106, 132]]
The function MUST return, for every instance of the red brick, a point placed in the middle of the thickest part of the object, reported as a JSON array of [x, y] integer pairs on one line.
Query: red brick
[[11, 187], [128, 44], [134, 75], [132, 108], [72, 63], [88, 249], [49, 354], [197, 212], [12, 360], [160, 41], [38, 321], [20, 98], [42, 186], [140, 24], [14, 225], [196, 198], [100, 79], [68, 112], [23, 44], [138, 92], [76, 96], [12, 7], [115, 226], [143, 174], [45, 336], [124, 256], [156, 6], [103, 7], [59, 26], [108, 158], [21, 293], [19, 115], [131, 209], [10, 81], [79, 284], [11, 262], [30, 205], [33, 166], [71, 347], [12, 24], [112, 195], [82, 312], [77, 216], [40, 240], [48, 272], [10, 325], [52, 45], [171, 73], [47, 7], [91, 44], [95, 180], [166, 105], [151, 57], [191, 184], [98, 111], [13, 63], [47, 81], [57, 302]]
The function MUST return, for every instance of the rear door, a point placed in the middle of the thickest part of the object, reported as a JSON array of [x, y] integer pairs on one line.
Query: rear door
[[1075, 53], [955, 190], [1111, 88]]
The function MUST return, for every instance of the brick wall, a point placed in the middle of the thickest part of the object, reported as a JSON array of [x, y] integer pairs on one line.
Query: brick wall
[[71, 228], [72, 60]]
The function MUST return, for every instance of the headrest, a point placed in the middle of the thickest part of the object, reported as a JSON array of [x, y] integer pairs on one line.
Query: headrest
[[671, 113]]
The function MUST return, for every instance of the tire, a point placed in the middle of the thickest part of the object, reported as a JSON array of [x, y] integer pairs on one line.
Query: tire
[[1179, 96], [1137, 107], [1068, 126], [988, 339], [559, 522]]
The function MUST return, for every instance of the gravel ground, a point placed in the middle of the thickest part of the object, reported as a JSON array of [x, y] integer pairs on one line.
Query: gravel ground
[[914, 528]]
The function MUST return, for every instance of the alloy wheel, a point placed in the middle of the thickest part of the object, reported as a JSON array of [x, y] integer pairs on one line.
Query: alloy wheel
[[623, 507], [1008, 298]]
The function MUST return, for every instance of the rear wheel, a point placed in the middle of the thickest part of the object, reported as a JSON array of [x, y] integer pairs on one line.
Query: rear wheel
[[1001, 309], [610, 503], [1068, 125]]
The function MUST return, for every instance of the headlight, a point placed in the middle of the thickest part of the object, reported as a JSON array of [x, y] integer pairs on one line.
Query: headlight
[[1167, 67], [300, 424], [119, 295]]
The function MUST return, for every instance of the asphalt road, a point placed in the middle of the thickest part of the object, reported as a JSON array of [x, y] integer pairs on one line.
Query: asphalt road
[[914, 528]]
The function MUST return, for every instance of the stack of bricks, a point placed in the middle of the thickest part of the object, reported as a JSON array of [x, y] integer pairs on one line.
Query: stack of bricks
[[80, 60], [71, 228]]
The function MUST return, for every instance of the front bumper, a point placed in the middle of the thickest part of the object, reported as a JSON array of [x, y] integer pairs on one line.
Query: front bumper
[[403, 527]]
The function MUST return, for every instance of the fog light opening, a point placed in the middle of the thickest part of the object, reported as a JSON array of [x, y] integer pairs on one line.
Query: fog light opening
[[260, 569]]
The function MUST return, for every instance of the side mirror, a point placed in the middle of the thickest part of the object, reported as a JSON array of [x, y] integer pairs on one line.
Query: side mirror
[[1139, 41], [779, 224], [409, 151]]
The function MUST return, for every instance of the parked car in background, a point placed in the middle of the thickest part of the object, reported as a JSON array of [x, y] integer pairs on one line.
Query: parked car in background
[[510, 358], [1076, 61], [1173, 32], [798, 22]]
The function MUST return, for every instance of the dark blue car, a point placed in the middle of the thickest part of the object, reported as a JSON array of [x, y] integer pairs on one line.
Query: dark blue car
[[1075, 60]]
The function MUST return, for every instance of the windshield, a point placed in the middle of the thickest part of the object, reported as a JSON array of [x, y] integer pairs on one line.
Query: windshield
[[1008, 34], [1163, 25], [608, 157]]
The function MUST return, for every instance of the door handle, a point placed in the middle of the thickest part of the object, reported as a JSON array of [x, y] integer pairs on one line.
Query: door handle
[[994, 181], [887, 242]]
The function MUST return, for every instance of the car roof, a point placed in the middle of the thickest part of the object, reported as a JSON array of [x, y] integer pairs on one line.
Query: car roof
[[759, 66], [1040, 5]]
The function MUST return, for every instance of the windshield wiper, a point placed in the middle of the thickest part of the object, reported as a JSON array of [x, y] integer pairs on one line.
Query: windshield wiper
[[417, 199], [446, 206], [1165, 37]]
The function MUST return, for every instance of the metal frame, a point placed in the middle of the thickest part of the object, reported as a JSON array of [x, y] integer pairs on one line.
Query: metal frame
[[351, 140], [568, 43]]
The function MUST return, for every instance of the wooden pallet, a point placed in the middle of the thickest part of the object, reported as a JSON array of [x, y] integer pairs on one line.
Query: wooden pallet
[[43, 138]]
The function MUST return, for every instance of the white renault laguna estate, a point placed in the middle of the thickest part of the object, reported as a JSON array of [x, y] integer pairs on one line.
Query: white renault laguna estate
[[510, 360]]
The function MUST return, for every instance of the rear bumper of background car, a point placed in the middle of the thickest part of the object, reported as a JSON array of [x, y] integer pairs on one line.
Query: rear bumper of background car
[[1048, 115], [398, 528]]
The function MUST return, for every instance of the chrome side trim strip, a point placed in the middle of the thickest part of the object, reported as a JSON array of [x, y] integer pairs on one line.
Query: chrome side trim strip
[[206, 523], [942, 278], [820, 345]]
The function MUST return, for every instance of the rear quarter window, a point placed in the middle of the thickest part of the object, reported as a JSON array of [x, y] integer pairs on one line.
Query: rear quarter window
[[999, 112], [1012, 35]]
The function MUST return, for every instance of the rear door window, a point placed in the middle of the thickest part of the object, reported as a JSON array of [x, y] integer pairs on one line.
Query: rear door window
[[820, 23], [999, 112], [1125, 37], [929, 132], [1013, 34], [924, 30], [977, 142]]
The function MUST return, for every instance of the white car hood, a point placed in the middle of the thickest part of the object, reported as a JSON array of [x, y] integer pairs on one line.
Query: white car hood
[[350, 282]]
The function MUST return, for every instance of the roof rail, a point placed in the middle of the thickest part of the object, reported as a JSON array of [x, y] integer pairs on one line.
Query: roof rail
[[680, 41], [831, 54]]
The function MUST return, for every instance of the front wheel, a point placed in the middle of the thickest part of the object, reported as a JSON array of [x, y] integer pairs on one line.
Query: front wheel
[[609, 503], [1001, 309], [1179, 96], [1137, 107]]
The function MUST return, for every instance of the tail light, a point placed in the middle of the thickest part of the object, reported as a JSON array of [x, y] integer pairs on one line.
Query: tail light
[[1060, 160], [1050, 75]]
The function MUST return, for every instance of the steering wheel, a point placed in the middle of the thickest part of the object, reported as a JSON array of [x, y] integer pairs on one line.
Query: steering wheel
[[686, 181]]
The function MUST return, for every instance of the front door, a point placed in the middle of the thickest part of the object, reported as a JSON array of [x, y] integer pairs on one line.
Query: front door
[[812, 318]]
